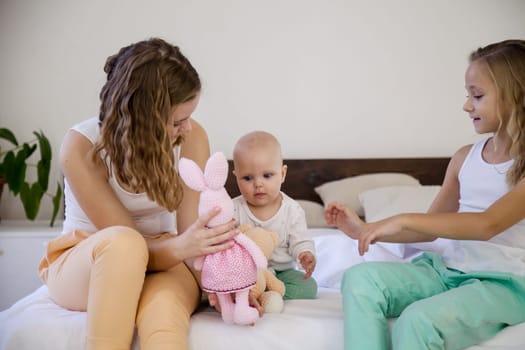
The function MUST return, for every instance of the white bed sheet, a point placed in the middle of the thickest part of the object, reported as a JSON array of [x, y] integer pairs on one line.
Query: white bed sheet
[[35, 322]]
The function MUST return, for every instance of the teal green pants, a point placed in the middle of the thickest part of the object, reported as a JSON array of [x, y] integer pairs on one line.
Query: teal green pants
[[296, 286], [438, 308]]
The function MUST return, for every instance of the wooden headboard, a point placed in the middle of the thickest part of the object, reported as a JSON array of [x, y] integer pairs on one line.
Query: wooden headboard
[[305, 174]]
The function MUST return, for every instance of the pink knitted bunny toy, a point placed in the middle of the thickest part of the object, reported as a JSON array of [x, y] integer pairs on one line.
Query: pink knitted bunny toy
[[233, 270]]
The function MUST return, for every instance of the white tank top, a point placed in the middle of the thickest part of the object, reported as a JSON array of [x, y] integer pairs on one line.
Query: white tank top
[[504, 252], [150, 218]]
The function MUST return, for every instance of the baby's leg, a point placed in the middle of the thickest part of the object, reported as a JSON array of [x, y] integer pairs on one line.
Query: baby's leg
[[168, 299], [296, 286]]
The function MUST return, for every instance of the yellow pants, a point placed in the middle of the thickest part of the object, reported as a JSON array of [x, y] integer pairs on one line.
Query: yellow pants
[[105, 275]]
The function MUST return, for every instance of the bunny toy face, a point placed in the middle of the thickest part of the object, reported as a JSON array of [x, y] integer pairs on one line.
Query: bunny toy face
[[210, 184]]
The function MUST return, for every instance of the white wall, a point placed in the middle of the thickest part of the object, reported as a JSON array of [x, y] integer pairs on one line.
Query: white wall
[[334, 78]]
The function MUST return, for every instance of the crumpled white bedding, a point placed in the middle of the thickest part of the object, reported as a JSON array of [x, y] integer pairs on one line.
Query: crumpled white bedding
[[35, 322]]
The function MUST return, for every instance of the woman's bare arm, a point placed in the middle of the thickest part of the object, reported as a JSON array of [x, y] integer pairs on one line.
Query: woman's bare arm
[[88, 181]]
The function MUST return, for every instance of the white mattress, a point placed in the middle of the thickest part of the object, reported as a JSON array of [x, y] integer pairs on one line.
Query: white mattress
[[36, 323]]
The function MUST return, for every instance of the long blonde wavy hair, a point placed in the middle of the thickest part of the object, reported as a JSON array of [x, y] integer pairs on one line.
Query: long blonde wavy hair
[[505, 61], [144, 81]]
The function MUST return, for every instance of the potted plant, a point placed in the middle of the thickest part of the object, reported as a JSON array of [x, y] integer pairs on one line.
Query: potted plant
[[14, 163]]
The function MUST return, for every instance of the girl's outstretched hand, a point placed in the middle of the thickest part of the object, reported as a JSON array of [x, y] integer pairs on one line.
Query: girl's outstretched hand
[[372, 232], [366, 233], [199, 240], [344, 218]]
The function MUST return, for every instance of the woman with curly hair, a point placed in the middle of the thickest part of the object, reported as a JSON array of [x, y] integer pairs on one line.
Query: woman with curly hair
[[121, 255]]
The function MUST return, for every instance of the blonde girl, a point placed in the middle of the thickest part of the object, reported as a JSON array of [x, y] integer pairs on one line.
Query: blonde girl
[[477, 287]]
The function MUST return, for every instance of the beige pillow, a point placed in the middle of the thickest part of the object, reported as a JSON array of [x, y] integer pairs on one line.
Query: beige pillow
[[314, 213], [347, 190]]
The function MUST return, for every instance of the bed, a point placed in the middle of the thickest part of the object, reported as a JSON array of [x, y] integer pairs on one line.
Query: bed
[[375, 188]]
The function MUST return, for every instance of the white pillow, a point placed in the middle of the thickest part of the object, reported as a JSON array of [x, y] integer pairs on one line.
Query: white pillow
[[380, 203], [347, 190], [314, 213], [384, 202]]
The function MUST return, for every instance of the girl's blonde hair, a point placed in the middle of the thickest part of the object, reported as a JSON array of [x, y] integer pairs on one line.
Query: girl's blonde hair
[[144, 81], [505, 61]]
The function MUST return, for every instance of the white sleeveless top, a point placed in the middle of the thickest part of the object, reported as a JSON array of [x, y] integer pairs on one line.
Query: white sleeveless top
[[481, 184], [151, 219]]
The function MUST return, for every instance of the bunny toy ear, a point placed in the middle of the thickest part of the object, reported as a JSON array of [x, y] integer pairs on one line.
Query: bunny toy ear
[[192, 174], [216, 171]]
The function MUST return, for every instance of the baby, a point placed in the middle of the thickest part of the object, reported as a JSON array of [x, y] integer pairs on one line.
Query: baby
[[259, 170]]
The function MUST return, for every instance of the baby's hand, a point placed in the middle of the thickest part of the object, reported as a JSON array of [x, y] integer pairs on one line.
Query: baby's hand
[[307, 261]]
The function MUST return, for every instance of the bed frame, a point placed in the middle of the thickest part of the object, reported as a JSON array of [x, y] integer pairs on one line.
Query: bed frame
[[305, 174]]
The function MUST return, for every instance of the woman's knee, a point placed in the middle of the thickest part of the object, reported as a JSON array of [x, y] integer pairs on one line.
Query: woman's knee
[[122, 242]]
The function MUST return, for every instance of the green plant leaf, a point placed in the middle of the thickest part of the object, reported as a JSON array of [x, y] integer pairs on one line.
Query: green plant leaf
[[43, 169], [45, 147], [27, 149], [56, 203], [44, 164], [15, 170], [31, 198], [8, 135], [14, 166]]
